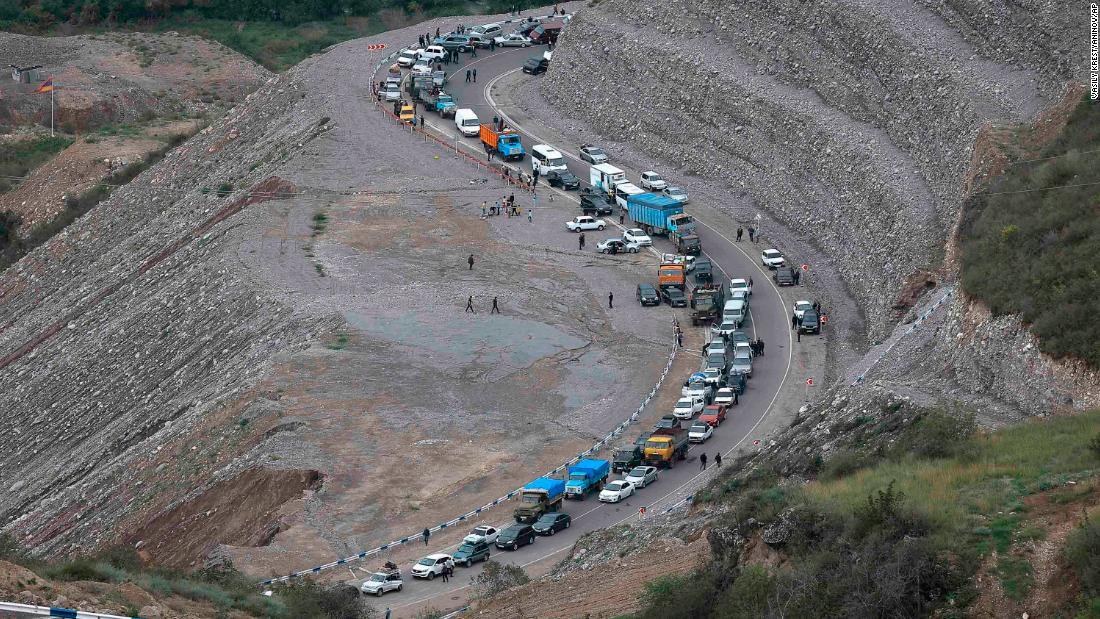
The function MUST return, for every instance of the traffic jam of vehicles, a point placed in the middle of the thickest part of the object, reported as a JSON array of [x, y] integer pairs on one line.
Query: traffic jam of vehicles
[[686, 278]]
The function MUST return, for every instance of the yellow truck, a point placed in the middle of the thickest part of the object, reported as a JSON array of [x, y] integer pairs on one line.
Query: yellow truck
[[665, 446]]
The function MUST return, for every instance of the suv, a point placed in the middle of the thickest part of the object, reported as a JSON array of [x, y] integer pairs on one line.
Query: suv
[[515, 536], [703, 271], [647, 295], [432, 565], [673, 296], [784, 276], [595, 203], [535, 65], [458, 42], [811, 322], [470, 553]]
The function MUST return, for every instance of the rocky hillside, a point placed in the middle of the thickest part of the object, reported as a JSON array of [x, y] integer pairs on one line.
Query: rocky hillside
[[845, 125]]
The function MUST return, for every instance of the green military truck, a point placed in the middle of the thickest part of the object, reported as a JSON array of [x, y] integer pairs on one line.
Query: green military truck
[[706, 302]]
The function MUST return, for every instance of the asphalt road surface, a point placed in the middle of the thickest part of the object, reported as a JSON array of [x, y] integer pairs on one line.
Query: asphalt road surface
[[769, 320]]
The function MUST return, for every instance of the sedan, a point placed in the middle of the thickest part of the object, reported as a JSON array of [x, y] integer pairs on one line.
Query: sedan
[[677, 194], [551, 523], [585, 222], [647, 295], [726, 327], [713, 415], [513, 40], [642, 476], [563, 178], [673, 296], [772, 258], [742, 364], [637, 235], [726, 396], [617, 246], [484, 533], [699, 432], [593, 154], [653, 181], [800, 307], [616, 491], [740, 283], [409, 57]]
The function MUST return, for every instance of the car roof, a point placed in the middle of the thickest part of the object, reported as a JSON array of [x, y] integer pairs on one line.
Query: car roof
[[438, 555]]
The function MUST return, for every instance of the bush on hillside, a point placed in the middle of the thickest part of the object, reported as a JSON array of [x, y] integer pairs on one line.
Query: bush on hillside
[[1029, 244], [1083, 553], [496, 577]]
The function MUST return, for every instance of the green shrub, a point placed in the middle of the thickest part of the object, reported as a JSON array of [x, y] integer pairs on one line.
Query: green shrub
[[937, 434], [684, 596], [496, 577], [842, 464], [1083, 553], [749, 596], [18, 158]]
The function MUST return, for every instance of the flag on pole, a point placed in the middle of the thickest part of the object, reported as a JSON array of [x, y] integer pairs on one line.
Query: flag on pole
[[47, 86]]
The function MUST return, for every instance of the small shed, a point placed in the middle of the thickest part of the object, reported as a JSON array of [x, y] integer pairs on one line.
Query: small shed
[[26, 75]]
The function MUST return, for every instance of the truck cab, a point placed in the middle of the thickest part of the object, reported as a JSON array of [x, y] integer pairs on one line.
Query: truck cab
[[666, 446], [543, 495], [586, 476], [626, 459]]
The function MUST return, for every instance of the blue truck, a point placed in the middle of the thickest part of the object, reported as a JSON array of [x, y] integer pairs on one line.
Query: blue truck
[[659, 214], [586, 476], [539, 497], [505, 144]]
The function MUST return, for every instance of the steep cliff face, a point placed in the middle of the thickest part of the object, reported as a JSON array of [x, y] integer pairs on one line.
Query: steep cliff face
[[848, 123]]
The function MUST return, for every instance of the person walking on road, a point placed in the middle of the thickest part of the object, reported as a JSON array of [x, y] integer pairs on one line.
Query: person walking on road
[[718, 459], [475, 70], [750, 285], [428, 533], [794, 321], [760, 343], [611, 300], [680, 339], [622, 217], [495, 310], [530, 216], [446, 573], [797, 277], [470, 261], [469, 310], [752, 234], [740, 231], [467, 76], [702, 462], [580, 242], [388, 611]]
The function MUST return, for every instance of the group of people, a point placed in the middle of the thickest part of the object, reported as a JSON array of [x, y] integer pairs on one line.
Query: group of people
[[703, 460], [505, 205], [753, 232]]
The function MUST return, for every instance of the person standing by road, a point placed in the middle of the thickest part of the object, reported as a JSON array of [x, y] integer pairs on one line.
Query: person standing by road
[[467, 76], [622, 217], [475, 70], [702, 462], [679, 338], [446, 573], [797, 277], [740, 231], [470, 261], [760, 343], [752, 234], [495, 310], [530, 216], [718, 459], [611, 300], [427, 534], [794, 321], [580, 242]]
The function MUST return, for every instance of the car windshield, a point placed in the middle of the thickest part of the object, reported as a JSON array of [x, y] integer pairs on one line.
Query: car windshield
[[548, 518], [683, 403], [699, 427], [466, 548], [481, 531], [378, 578], [531, 499], [771, 253], [426, 561], [615, 486], [676, 191], [592, 150], [555, 161], [638, 471], [470, 122]]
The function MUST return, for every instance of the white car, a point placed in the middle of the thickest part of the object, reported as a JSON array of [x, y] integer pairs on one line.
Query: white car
[[687, 261], [653, 181], [637, 235], [548, 54], [621, 246], [433, 53], [488, 31], [641, 476], [585, 222], [727, 326], [686, 407], [713, 376], [392, 92], [616, 491], [513, 40], [716, 345], [409, 57], [677, 194], [422, 67], [742, 348], [772, 258], [725, 397], [484, 533], [740, 283], [432, 565], [739, 295], [800, 307], [382, 582], [699, 432]]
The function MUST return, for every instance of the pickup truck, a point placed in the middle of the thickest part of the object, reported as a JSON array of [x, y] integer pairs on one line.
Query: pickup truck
[[665, 446], [505, 144], [586, 476], [543, 495]]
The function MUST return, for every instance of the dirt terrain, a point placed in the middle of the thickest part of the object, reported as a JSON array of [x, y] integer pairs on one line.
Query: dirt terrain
[[119, 78]]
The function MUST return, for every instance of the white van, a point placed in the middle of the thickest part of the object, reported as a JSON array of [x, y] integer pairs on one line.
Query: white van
[[623, 191], [545, 158], [735, 310], [467, 122]]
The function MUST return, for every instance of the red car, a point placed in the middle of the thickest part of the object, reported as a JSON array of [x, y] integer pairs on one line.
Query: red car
[[713, 414]]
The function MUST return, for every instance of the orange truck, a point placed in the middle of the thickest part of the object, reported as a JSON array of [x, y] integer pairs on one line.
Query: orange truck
[[672, 274], [504, 143]]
